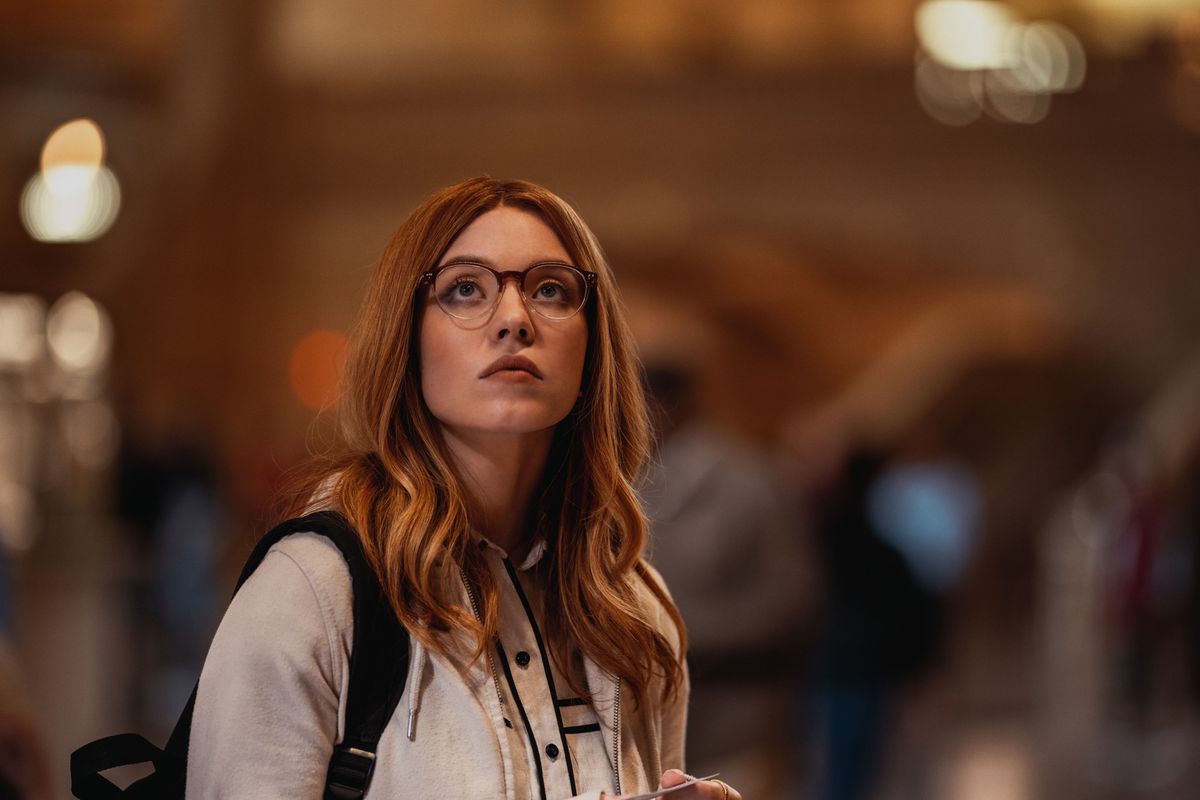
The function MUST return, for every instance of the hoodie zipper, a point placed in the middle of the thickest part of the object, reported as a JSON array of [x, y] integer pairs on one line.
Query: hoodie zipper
[[616, 738], [475, 611]]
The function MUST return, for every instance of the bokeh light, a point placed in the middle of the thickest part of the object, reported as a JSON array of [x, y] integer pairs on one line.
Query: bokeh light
[[79, 334], [976, 57], [965, 34], [74, 198], [951, 96], [992, 767], [70, 204], [315, 367], [1014, 106], [78, 143], [22, 329], [1045, 57]]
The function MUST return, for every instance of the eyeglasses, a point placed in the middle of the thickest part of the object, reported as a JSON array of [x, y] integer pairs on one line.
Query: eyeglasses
[[467, 290]]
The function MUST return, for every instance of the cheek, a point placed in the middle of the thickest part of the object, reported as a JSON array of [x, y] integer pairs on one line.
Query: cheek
[[437, 352], [578, 354]]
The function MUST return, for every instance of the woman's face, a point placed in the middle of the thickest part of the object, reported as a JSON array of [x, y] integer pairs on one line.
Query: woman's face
[[459, 381]]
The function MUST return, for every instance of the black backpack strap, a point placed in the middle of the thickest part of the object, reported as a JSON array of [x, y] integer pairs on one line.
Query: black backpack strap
[[378, 669], [378, 664], [118, 751], [378, 658]]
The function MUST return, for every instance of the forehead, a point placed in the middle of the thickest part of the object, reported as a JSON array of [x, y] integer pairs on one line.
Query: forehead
[[507, 237]]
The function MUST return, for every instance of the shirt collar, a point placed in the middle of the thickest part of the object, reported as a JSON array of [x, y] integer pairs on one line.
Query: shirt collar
[[531, 560]]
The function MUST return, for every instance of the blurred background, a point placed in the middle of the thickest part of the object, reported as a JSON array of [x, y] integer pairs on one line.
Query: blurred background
[[916, 285]]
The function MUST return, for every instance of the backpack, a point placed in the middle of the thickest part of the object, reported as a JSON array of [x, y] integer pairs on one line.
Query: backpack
[[378, 669]]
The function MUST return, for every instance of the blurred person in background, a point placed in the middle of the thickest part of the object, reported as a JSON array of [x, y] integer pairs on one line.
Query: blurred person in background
[[727, 541], [896, 527], [494, 435], [1149, 532], [1135, 575], [24, 764], [1190, 498], [169, 496]]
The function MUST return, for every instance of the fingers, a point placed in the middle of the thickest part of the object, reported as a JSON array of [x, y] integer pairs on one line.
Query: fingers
[[672, 777], [710, 790]]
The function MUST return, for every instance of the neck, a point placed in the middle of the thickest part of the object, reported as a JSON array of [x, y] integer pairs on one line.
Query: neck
[[500, 474]]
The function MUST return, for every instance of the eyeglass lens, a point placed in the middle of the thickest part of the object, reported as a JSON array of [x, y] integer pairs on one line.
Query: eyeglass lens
[[467, 291]]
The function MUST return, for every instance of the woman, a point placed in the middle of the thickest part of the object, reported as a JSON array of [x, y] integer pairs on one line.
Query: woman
[[495, 425]]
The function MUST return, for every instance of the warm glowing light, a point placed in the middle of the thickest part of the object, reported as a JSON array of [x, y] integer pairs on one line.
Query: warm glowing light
[[315, 367], [965, 34], [79, 333], [78, 143], [976, 57], [952, 97], [1045, 58], [70, 203], [1014, 106], [22, 329], [991, 767], [1140, 8], [74, 198]]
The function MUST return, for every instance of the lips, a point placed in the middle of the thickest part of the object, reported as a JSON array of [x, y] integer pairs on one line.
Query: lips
[[513, 363]]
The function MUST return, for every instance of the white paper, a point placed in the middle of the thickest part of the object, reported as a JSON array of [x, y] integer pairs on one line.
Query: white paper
[[662, 792]]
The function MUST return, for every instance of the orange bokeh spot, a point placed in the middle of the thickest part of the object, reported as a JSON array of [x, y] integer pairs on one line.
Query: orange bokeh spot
[[315, 367], [77, 143]]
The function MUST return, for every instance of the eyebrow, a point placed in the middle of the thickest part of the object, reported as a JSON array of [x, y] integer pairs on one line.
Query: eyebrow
[[489, 263]]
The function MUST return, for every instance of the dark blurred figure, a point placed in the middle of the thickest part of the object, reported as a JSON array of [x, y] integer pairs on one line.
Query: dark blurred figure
[[1190, 500], [895, 532], [1142, 517], [726, 542], [24, 768], [171, 499], [1135, 571]]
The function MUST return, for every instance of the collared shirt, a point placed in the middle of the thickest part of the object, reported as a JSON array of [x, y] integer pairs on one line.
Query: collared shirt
[[557, 731], [271, 703]]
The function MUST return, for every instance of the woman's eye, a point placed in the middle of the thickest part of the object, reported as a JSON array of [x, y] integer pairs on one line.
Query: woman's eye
[[465, 289], [548, 291]]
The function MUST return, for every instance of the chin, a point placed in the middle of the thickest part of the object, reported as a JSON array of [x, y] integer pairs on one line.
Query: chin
[[515, 419]]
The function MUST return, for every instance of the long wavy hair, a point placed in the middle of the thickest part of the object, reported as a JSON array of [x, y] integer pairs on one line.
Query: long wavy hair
[[398, 486]]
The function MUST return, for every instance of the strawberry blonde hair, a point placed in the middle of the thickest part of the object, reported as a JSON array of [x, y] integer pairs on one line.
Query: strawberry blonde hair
[[397, 485]]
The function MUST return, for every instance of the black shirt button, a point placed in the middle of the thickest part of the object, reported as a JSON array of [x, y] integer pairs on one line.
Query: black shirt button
[[522, 659], [552, 750]]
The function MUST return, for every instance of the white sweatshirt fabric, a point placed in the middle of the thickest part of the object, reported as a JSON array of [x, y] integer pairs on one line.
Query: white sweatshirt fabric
[[271, 702]]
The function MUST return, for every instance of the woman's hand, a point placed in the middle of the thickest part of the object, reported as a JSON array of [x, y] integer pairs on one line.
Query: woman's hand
[[700, 790]]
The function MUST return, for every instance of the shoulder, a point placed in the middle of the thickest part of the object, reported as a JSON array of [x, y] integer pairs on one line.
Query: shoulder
[[655, 600], [316, 560], [278, 662], [314, 557], [292, 617], [650, 579], [301, 590]]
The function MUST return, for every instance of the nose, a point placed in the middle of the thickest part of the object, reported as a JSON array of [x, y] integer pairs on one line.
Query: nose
[[512, 318]]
